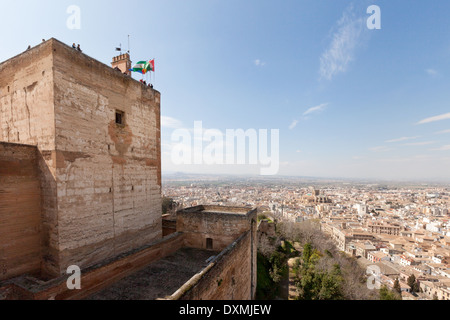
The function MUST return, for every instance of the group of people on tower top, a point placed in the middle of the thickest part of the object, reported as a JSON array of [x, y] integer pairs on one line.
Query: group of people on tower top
[[77, 47], [145, 83]]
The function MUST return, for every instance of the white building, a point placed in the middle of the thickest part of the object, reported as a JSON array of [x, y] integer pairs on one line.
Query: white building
[[434, 227], [361, 208]]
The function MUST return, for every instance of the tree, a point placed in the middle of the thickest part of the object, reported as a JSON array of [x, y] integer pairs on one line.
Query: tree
[[277, 261], [416, 287], [169, 206], [413, 283], [266, 246], [331, 287], [316, 280], [319, 256], [307, 252], [386, 294], [300, 232], [305, 285], [275, 274], [397, 287]]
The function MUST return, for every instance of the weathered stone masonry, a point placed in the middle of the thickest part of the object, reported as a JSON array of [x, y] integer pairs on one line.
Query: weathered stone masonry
[[100, 181], [20, 214]]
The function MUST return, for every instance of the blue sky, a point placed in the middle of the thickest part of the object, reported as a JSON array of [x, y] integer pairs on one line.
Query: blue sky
[[347, 101]]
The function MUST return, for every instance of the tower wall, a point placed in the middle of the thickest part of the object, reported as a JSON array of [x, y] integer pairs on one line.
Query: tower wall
[[27, 117], [100, 181], [108, 174], [214, 228], [20, 211]]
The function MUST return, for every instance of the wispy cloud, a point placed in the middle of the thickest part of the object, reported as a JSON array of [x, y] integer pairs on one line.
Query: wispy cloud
[[425, 143], [315, 109], [293, 124], [431, 72], [443, 131], [341, 50], [394, 160], [259, 63], [443, 148], [401, 139], [168, 122], [380, 149], [434, 119], [310, 111]]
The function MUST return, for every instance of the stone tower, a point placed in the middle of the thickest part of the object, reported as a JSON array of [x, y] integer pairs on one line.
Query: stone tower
[[123, 62], [98, 140]]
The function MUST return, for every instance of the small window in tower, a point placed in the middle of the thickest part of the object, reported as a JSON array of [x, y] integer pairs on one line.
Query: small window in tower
[[120, 117], [209, 244]]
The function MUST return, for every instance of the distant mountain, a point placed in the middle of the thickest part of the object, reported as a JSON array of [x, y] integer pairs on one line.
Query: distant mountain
[[377, 183]]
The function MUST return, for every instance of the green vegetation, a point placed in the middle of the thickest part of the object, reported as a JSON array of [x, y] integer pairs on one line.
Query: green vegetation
[[272, 268], [264, 216], [321, 272], [168, 205], [266, 288], [398, 288], [314, 282], [386, 294], [413, 284], [288, 248], [324, 273]]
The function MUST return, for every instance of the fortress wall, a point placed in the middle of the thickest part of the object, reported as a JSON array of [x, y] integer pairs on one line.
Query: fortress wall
[[204, 226], [27, 117], [20, 211], [229, 277], [169, 226], [222, 228]]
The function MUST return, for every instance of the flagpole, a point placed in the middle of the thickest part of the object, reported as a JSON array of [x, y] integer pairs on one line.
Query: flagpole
[[129, 53]]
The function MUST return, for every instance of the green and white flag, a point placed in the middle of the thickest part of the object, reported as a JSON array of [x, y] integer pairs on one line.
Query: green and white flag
[[141, 67]]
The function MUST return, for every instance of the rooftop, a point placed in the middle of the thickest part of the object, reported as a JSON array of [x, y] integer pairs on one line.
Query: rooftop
[[31, 53], [242, 211]]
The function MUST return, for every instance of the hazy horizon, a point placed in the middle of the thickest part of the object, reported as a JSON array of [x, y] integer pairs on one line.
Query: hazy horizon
[[443, 182]]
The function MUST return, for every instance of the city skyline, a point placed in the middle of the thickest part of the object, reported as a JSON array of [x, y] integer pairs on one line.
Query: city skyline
[[348, 101], [393, 232]]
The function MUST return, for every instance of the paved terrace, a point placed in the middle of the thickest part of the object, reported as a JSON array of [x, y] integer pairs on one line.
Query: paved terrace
[[159, 279]]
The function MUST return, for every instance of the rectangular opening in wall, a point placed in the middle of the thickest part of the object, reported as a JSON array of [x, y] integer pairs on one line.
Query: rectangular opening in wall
[[120, 117], [209, 244]]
